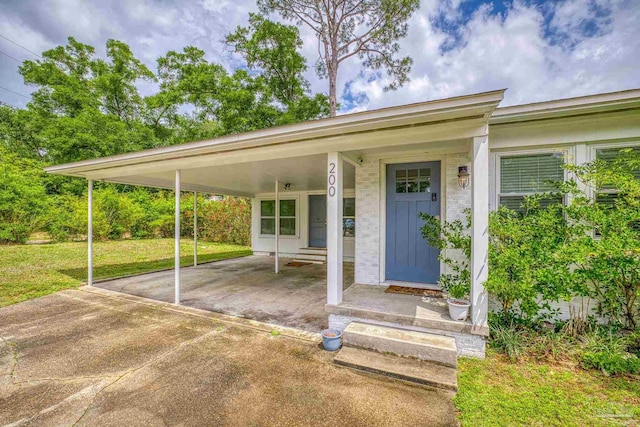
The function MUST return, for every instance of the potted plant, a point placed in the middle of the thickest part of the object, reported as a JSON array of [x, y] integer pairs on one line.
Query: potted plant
[[331, 339], [458, 301], [454, 242]]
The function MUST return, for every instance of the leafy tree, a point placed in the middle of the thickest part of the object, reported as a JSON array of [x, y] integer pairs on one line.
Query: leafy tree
[[22, 197], [272, 48], [85, 107], [368, 29]]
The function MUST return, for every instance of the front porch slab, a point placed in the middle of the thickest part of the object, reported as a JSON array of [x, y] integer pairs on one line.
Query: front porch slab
[[246, 287]]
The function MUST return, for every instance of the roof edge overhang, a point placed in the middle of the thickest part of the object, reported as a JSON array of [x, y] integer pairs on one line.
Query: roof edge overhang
[[612, 102], [477, 106]]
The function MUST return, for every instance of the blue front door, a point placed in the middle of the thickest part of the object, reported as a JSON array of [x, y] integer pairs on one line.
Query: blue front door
[[411, 188], [318, 221]]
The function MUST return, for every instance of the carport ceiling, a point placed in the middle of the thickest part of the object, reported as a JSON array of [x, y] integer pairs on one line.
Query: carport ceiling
[[307, 173]]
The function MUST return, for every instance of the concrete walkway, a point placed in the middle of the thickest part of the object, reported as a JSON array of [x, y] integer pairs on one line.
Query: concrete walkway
[[94, 357], [246, 287]]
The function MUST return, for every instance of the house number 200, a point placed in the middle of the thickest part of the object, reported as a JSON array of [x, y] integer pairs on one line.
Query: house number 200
[[332, 179]]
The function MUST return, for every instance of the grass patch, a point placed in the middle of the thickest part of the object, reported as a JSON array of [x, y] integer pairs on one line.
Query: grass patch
[[31, 271], [496, 392]]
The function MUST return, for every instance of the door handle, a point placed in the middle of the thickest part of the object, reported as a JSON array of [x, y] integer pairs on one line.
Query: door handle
[[434, 197]]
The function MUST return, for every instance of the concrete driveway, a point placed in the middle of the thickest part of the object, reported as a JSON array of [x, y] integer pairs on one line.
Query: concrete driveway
[[94, 357]]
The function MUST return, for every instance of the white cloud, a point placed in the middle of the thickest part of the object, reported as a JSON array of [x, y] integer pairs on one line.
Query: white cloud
[[514, 53], [590, 46]]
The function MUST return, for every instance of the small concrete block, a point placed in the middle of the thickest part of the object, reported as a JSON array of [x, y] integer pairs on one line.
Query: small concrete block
[[404, 368], [421, 345]]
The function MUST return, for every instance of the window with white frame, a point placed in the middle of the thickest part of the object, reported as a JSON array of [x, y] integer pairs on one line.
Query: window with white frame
[[528, 174], [608, 194], [287, 217], [349, 217]]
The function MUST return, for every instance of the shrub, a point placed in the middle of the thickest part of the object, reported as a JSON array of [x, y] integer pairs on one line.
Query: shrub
[[451, 238], [23, 201], [608, 353], [525, 274], [227, 220], [508, 339], [606, 254]]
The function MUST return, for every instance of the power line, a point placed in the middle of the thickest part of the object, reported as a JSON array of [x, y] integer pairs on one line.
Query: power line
[[14, 92], [10, 57], [19, 45]]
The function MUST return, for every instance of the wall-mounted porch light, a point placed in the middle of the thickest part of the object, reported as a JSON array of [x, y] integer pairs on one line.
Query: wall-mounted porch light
[[463, 176], [287, 186]]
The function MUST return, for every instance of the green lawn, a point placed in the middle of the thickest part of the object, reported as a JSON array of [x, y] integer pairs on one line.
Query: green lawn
[[495, 392], [31, 271]]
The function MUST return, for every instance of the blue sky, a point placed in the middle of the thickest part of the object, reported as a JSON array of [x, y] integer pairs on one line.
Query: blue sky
[[539, 50]]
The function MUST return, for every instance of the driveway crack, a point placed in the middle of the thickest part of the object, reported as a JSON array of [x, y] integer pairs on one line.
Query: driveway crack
[[144, 365], [14, 358]]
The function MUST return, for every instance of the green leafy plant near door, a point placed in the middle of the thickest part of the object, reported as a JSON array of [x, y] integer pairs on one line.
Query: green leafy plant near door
[[453, 241]]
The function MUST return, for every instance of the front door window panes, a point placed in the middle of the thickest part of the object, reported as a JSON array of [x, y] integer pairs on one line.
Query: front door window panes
[[413, 180]]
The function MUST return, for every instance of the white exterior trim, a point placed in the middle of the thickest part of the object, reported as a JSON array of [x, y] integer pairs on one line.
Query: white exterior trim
[[282, 196]]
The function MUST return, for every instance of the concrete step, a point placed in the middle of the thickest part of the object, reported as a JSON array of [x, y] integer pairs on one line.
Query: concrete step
[[404, 368], [434, 348], [308, 257], [313, 251]]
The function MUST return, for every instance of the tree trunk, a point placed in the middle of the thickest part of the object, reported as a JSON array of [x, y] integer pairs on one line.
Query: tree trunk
[[332, 94]]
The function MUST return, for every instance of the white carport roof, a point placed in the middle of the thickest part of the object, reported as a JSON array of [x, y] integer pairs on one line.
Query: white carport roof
[[248, 163]]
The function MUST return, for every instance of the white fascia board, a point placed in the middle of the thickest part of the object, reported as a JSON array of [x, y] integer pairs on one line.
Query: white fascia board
[[601, 103], [378, 139], [407, 115], [170, 185]]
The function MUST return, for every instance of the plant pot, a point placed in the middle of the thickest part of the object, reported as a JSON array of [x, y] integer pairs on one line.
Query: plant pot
[[331, 339], [458, 308]]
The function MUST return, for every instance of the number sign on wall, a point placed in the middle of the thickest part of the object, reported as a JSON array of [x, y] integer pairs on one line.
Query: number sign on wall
[[332, 179]]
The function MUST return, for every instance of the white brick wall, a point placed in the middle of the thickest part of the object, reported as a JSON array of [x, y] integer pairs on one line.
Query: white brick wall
[[367, 269], [369, 222], [457, 198]]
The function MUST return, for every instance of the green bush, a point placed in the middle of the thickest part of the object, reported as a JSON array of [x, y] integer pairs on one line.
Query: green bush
[[142, 213], [525, 274], [23, 201], [607, 352], [509, 340], [606, 254], [451, 239]]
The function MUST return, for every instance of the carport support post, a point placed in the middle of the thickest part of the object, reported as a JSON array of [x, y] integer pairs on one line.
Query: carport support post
[[90, 234], [195, 228], [334, 228], [177, 241], [277, 231], [479, 230]]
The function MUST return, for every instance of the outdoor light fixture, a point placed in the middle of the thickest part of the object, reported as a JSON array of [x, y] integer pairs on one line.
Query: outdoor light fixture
[[287, 186], [463, 176]]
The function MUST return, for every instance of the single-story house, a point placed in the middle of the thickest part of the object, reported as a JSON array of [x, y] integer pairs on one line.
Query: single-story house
[[349, 189]]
